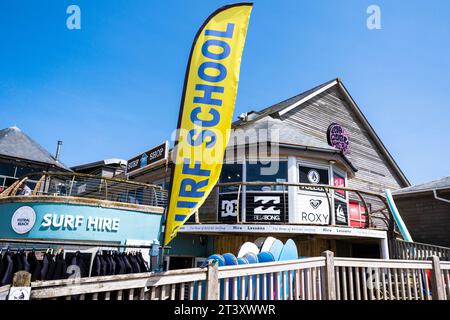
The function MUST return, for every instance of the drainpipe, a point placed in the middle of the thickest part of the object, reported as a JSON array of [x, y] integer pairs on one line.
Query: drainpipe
[[58, 150], [439, 198]]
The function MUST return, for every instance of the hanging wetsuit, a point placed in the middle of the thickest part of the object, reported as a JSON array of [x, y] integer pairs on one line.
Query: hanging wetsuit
[[96, 266], [25, 265], [35, 266], [44, 268], [9, 269], [51, 267]]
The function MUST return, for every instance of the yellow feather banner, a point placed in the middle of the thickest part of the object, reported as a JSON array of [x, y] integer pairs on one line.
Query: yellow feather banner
[[206, 112]]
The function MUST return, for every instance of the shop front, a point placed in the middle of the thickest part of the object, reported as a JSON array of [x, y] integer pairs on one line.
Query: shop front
[[310, 168], [91, 224]]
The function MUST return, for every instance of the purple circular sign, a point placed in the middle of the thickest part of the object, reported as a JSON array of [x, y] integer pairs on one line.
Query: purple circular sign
[[337, 137]]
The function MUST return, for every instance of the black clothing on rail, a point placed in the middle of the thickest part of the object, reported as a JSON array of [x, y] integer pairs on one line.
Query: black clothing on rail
[[9, 269], [35, 266]]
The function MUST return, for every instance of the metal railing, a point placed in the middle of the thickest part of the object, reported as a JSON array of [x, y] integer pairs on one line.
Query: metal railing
[[376, 212], [92, 187], [400, 249]]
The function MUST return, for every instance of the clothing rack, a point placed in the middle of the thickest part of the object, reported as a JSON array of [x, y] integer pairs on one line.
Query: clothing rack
[[74, 243]]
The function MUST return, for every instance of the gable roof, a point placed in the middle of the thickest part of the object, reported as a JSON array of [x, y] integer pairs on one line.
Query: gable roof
[[281, 108], [291, 137], [15, 143], [439, 184]]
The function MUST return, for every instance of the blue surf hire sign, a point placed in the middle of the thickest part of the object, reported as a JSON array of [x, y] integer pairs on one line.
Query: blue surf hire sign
[[76, 222]]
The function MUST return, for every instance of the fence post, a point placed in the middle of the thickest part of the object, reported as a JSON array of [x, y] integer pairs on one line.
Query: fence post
[[329, 283], [212, 281], [437, 286]]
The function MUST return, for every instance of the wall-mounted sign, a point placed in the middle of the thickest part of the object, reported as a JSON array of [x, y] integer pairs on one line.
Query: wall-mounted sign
[[23, 220], [341, 212], [312, 176], [266, 207], [339, 181], [337, 136], [260, 206], [71, 223], [288, 229], [312, 209], [63, 221], [228, 207], [151, 157]]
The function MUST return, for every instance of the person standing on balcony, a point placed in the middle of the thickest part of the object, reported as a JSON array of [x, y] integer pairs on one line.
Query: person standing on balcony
[[24, 190]]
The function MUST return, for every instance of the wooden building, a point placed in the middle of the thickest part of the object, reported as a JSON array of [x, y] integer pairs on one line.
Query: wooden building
[[425, 208], [318, 137]]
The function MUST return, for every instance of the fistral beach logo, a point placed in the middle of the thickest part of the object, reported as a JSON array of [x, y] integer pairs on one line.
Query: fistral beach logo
[[313, 176], [23, 220], [337, 136]]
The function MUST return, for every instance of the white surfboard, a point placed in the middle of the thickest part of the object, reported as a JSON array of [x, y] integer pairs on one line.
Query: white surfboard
[[267, 244], [247, 247]]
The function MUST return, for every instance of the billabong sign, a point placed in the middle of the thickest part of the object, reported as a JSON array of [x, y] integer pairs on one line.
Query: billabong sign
[[266, 207], [148, 158]]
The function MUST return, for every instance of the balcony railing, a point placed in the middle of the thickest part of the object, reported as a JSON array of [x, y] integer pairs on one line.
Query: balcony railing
[[375, 212], [61, 184]]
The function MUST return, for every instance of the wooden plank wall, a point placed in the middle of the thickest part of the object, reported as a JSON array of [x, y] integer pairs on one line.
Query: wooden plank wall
[[306, 247], [313, 118], [428, 219]]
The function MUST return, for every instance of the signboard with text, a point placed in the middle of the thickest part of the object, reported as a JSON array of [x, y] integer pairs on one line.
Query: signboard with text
[[151, 157]]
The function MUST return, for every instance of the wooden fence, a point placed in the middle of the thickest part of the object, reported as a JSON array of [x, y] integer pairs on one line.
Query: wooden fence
[[320, 278], [404, 250]]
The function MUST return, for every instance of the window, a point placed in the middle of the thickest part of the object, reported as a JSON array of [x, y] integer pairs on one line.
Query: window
[[231, 173], [357, 214], [275, 171], [7, 169], [23, 171]]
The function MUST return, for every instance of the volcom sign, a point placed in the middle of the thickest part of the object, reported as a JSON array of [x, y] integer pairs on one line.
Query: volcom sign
[[23, 220], [312, 209]]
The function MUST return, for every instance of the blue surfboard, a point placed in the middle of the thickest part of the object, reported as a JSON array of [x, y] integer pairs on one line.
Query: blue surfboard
[[230, 260], [241, 280], [251, 258], [289, 252], [221, 262], [275, 249], [265, 257]]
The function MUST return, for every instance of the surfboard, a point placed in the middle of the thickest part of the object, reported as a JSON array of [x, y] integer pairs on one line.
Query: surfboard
[[267, 244], [221, 262], [265, 257], [241, 280], [230, 260], [246, 248], [275, 249], [289, 252], [251, 258], [259, 242]]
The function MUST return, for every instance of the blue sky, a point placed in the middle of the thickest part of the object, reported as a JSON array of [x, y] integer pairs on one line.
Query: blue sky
[[112, 89]]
